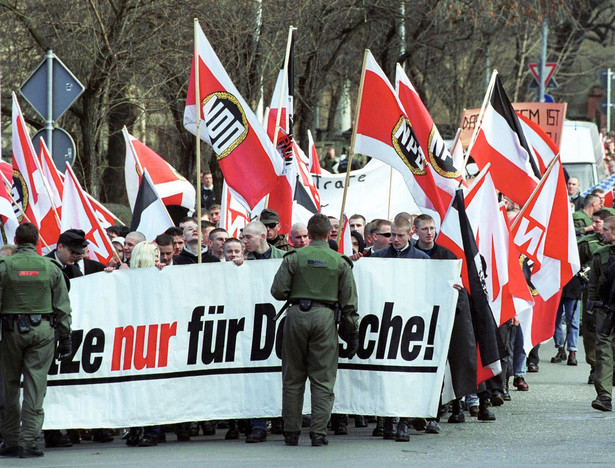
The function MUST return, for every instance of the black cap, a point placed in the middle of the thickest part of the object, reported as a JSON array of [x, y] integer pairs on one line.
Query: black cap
[[269, 216], [74, 239]]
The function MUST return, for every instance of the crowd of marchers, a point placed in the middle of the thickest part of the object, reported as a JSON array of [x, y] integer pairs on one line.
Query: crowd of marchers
[[587, 304]]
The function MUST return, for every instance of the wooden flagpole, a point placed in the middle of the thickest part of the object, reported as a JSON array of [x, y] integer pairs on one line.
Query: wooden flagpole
[[390, 192], [352, 140], [284, 82], [197, 94]]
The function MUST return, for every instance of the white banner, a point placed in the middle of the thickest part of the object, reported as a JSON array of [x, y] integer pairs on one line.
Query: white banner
[[368, 192], [198, 342]]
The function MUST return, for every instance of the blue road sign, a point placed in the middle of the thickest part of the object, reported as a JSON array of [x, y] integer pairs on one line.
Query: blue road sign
[[65, 89]]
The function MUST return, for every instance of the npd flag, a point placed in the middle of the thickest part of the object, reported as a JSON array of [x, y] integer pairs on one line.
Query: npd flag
[[248, 159], [385, 133]]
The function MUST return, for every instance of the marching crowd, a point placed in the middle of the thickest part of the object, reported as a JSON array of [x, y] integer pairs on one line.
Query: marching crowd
[[589, 296]]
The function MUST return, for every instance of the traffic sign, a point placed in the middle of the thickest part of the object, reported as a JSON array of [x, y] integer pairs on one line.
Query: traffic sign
[[550, 82], [65, 88], [63, 150]]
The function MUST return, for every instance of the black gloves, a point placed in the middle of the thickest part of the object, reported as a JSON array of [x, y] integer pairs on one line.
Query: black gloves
[[64, 349], [353, 344]]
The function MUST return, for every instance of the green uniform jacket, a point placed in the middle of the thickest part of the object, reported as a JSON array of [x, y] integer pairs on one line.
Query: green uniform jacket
[[587, 247], [581, 221], [275, 253], [600, 263], [60, 303], [347, 290]]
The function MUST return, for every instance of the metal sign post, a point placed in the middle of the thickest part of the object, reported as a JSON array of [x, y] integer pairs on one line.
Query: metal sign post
[[51, 89]]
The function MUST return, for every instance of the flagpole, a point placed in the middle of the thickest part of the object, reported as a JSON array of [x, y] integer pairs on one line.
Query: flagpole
[[132, 148], [535, 192], [284, 82], [390, 192], [8, 184], [354, 136], [265, 120], [481, 114], [265, 117], [197, 93]]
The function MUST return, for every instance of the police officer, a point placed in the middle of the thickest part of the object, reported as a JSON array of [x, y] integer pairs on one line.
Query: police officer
[[313, 279], [599, 298], [33, 297], [588, 245]]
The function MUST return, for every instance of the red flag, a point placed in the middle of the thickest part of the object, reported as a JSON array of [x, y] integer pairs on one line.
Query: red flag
[[248, 159], [608, 199], [273, 108], [543, 231], [281, 197], [345, 245], [544, 147], [314, 161], [78, 214], [501, 142], [384, 132], [492, 239], [7, 214], [170, 185], [30, 189], [25, 190], [103, 215], [233, 215], [50, 224], [307, 195], [54, 178], [445, 173]]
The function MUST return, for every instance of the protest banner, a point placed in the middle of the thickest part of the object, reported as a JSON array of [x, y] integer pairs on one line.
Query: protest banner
[[368, 192], [550, 117], [198, 342]]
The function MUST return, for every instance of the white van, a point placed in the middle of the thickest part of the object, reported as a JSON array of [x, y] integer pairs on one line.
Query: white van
[[582, 152]]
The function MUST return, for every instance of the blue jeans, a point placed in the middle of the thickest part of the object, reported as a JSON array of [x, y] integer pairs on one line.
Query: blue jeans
[[519, 357], [571, 309]]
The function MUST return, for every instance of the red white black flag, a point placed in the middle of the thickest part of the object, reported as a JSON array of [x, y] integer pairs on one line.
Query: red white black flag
[[249, 161], [501, 142]]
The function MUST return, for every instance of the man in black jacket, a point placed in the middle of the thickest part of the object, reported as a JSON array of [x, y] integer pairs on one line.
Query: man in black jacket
[[70, 251]]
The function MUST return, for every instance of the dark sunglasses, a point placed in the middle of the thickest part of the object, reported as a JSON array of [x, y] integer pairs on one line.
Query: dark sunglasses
[[270, 225], [383, 234]]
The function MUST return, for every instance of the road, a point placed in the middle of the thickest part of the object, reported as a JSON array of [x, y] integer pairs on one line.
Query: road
[[551, 424]]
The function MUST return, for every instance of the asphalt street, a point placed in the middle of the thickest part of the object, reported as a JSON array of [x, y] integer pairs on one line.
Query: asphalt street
[[552, 424]]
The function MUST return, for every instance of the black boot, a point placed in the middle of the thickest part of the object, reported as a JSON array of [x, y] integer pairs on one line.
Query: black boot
[[379, 429], [233, 431], [359, 421], [484, 413], [339, 424], [292, 438], [457, 415], [318, 440], [390, 428], [402, 431]]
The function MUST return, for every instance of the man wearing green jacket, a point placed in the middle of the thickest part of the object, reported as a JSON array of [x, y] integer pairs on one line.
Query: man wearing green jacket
[[314, 279], [33, 298]]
